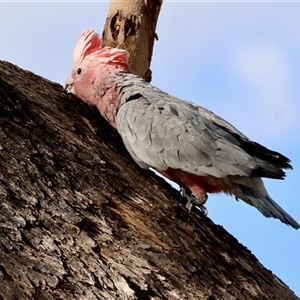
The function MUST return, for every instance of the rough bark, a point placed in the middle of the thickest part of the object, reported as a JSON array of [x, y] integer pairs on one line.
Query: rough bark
[[130, 25], [80, 220]]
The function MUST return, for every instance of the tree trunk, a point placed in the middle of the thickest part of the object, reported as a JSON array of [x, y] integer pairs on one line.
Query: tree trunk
[[80, 220], [130, 25]]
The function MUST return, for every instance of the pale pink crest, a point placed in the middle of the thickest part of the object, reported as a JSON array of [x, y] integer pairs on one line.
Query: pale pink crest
[[87, 43], [113, 56]]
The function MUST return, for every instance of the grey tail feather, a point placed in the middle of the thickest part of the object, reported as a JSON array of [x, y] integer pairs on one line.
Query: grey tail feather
[[264, 203]]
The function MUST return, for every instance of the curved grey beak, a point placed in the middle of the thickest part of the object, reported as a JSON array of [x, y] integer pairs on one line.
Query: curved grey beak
[[69, 85]]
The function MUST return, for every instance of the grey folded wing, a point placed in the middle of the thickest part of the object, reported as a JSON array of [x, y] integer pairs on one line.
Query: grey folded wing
[[167, 132]]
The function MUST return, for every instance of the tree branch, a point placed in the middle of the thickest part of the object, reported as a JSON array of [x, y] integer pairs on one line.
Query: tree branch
[[130, 25]]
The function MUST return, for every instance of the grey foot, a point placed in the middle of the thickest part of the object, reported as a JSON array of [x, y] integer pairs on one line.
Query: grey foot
[[191, 201], [203, 210]]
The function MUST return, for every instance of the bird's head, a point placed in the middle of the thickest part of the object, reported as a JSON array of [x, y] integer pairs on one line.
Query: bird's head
[[92, 65]]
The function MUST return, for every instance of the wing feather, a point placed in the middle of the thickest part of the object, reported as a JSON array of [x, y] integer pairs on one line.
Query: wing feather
[[162, 131], [163, 135]]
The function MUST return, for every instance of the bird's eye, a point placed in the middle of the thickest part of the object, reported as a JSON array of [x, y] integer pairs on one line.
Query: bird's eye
[[79, 71]]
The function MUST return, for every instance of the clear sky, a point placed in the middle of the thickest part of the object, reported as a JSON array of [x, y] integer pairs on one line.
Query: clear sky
[[239, 59]]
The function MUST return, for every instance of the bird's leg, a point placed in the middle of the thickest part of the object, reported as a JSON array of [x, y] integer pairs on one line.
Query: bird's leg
[[191, 200]]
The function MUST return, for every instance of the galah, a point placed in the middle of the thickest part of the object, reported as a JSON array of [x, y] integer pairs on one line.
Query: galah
[[183, 141]]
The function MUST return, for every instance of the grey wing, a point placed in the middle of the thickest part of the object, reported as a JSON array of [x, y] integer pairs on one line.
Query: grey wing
[[269, 163], [161, 135]]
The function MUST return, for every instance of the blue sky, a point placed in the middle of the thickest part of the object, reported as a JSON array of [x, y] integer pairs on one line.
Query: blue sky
[[238, 59]]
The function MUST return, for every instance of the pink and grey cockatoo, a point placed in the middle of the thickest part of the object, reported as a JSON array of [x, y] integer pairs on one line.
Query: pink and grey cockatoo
[[183, 141]]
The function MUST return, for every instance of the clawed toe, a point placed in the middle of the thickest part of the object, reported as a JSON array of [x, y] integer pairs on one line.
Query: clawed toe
[[203, 210], [191, 201]]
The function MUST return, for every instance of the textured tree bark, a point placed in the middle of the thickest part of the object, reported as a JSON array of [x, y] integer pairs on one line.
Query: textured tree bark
[[80, 220], [130, 25]]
